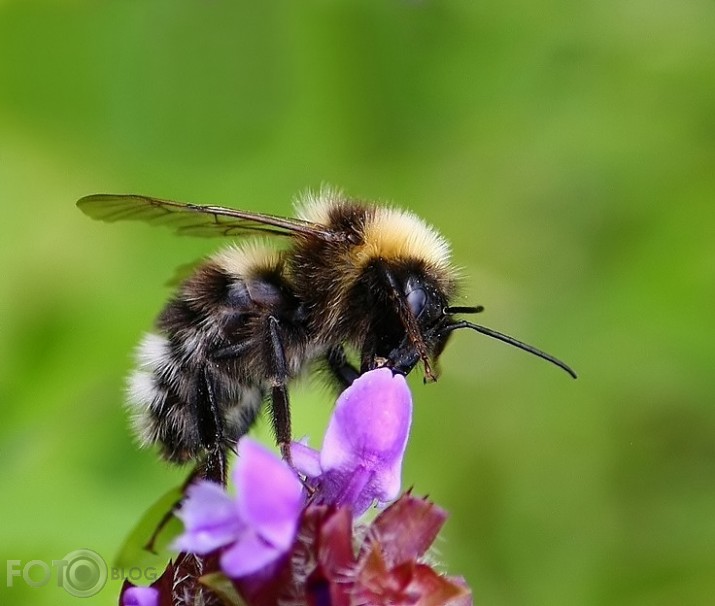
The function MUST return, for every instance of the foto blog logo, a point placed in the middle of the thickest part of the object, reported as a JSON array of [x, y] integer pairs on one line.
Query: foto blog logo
[[81, 573]]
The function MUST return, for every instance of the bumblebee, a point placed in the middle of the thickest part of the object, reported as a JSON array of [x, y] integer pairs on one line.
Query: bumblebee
[[353, 276]]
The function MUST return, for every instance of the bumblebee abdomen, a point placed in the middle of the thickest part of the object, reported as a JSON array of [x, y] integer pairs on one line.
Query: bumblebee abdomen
[[166, 398], [158, 412], [205, 373]]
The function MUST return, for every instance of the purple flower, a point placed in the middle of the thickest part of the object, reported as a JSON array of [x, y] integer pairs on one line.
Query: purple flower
[[361, 459], [140, 596], [385, 564], [277, 547], [257, 526]]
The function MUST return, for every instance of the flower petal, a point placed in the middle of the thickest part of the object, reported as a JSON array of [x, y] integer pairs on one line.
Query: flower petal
[[371, 419], [270, 496], [305, 459], [409, 583], [368, 434], [433, 589], [348, 488], [466, 599], [210, 518], [249, 555], [140, 596], [406, 529], [334, 542]]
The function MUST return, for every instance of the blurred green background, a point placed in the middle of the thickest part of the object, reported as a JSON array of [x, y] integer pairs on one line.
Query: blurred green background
[[567, 149]]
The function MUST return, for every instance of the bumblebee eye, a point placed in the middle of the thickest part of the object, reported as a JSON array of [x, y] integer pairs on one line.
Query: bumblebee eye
[[416, 300]]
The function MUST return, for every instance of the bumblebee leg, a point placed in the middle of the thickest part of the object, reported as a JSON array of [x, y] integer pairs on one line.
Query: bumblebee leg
[[280, 405], [211, 433], [213, 466], [280, 410], [344, 372]]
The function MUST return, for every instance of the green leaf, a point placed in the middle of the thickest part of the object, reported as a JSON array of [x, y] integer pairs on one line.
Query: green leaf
[[135, 549]]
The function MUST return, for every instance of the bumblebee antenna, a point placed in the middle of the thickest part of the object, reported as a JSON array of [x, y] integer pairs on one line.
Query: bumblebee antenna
[[407, 318], [472, 309], [510, 341]]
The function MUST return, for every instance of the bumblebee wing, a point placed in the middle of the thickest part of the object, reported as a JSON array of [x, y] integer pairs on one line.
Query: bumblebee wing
[[195, 219]]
